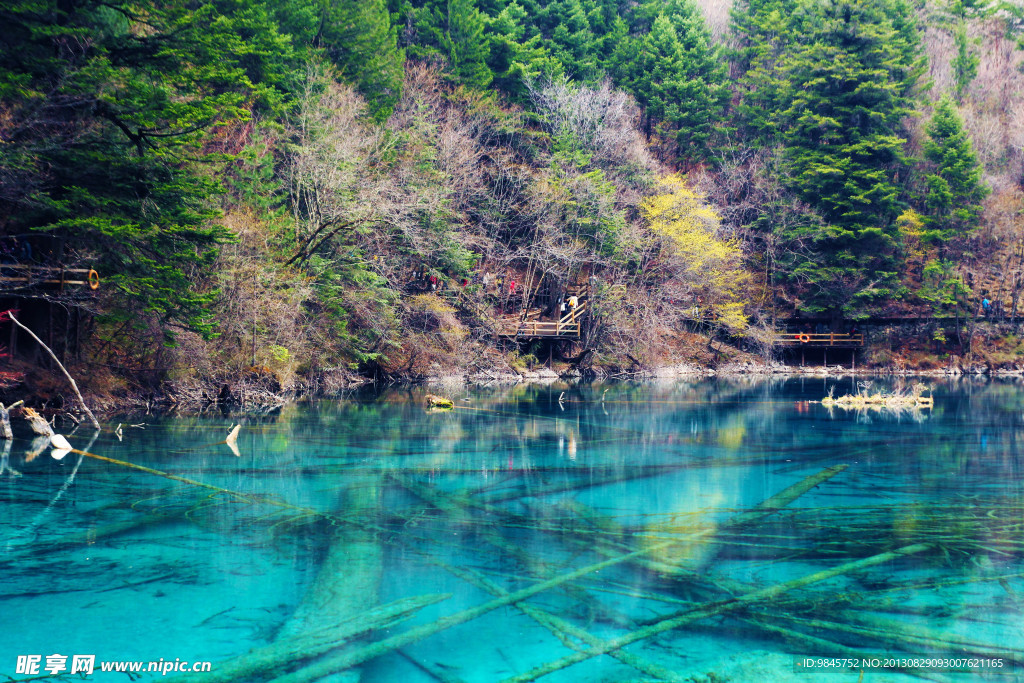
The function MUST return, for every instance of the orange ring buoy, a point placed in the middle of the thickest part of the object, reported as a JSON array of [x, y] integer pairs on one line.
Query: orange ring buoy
[[804, 338], [94, 279]]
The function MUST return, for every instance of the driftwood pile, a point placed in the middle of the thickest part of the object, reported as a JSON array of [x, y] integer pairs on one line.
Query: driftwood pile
[[894, 401]]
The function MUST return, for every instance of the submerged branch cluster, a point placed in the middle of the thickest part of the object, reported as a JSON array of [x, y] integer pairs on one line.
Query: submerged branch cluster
[[895, 400]]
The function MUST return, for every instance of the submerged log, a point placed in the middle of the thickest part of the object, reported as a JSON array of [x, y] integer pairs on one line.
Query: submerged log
[[342, 661], [822, 647], [690, 559], [435, 671], [716, 608], [612, 542], [457, 507], [348, 581], [277, 657], [347, 660], [91, 536], [563, 630], [897, 634], [706, 554], [601, 476]]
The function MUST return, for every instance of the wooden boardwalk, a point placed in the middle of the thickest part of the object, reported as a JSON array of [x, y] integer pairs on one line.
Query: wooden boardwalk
[[818, 340], [567, 327], [18, 276]]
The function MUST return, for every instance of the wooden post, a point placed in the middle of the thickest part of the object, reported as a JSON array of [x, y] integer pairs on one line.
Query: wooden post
[[5, 424]]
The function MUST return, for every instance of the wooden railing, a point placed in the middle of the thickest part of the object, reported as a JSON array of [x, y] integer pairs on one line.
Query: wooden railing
[[817, 339], [567, 326], [548, 329], [29, 275]]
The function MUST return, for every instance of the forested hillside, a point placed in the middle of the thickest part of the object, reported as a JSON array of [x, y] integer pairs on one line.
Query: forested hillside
[[286, 192]]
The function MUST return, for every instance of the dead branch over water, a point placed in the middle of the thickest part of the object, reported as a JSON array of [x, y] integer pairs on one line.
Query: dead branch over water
[[71, 380]]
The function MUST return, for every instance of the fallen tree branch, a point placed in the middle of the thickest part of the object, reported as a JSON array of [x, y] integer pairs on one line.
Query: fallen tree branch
[[74, 386], [306, 251]]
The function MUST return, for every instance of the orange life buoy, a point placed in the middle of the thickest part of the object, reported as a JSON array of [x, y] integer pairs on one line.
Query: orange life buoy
[[804, 338], [94, 279]]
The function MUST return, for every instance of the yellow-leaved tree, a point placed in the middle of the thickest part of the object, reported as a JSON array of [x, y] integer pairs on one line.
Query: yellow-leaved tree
[[691, 252]]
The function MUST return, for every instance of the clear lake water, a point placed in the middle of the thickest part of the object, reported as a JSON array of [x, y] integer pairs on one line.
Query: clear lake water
[[719, 530]]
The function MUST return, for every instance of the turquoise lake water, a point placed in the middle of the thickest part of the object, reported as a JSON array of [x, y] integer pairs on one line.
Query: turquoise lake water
[[639, 504]]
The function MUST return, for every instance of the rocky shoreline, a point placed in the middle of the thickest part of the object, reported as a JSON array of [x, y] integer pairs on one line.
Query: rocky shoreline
[[256, 395]]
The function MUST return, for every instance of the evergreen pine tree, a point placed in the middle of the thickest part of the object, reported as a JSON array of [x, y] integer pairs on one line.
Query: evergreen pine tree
[[762, 37], [571, 39], [456, 30], [656, 83], [955, 188], [848, 85], [108, 147], [535, 11], [703, 91], [757, 27], [604, 16], [676, 77], [622, 63], [514, 59], [360, 40], [964, 63]]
